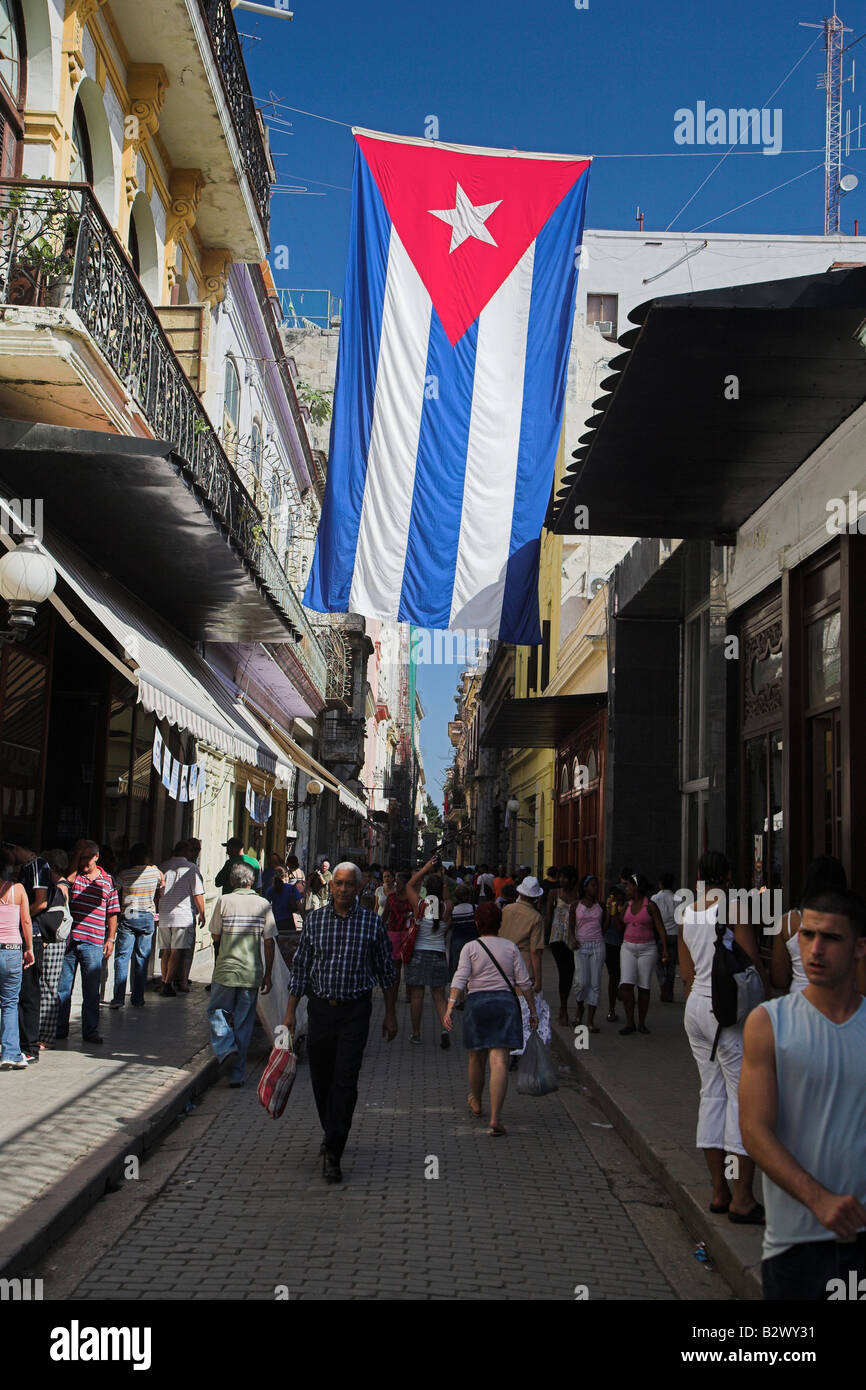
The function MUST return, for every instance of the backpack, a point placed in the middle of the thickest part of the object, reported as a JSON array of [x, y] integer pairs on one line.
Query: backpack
[[735, 983], [55, 922]]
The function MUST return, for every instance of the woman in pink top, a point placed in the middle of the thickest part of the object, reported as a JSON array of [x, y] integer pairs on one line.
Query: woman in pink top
[[15, 957], [589, 959], [638, 955], [491, 971]]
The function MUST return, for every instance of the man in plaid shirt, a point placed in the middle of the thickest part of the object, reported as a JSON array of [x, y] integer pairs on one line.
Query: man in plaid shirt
[[343, 952], [94, 905]]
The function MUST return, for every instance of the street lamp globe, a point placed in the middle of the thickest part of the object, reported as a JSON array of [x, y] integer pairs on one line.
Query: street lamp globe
[[315, 787], [26, 574], [512, 805]]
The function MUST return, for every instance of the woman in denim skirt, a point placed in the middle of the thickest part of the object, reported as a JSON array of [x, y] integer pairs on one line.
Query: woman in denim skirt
[[491, 971]]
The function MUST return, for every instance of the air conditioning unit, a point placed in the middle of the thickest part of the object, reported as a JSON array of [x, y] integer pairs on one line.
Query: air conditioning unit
[[596, 583], [604, 327]]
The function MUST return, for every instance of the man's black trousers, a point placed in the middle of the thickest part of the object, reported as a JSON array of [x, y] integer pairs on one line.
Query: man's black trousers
[[28, 1003], [336, 1037]]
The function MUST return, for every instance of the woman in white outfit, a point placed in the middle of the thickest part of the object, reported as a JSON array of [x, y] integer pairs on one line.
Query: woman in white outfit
[[786, 966], [718, 1113]]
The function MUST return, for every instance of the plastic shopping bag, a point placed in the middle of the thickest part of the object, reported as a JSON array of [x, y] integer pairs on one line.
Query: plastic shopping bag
[[277, 1081], [536, 1073]]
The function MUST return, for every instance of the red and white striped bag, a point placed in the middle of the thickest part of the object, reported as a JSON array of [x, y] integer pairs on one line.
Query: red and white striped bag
[[277, 1081]]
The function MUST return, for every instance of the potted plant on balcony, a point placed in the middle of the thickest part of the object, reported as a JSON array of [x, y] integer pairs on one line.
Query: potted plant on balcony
[[44, 225]]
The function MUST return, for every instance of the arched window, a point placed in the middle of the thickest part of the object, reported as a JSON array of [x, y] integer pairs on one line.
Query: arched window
[[231, 409], [81, 163], [563, 780], [13, 83], [591, 765], [576, 779], [143, 247]]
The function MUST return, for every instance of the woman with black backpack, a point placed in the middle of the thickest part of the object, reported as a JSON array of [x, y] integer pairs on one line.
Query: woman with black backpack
[[717, 1050]]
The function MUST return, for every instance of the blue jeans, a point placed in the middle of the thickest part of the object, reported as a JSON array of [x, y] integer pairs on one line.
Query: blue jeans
[[134, 940], [10, 987], [232, 1016], [89, 957]]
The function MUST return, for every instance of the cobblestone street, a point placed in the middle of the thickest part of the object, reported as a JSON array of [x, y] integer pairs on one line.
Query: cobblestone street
[[244, 1209]]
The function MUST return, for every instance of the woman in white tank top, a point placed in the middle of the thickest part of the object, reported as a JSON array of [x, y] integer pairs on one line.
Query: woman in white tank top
[[786, 967]]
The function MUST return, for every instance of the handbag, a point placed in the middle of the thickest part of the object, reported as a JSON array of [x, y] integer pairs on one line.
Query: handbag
[[55, 922], [278, 1078], [407, 945]]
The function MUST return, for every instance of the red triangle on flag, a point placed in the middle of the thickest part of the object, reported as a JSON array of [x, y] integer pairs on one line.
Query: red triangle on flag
[[465, 216]]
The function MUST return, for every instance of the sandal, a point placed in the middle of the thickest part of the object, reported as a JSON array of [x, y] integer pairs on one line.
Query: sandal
[[472, 1102], [497, 1131], [613, 1018], [755, 1217], [720, 1208], [415, 1037]]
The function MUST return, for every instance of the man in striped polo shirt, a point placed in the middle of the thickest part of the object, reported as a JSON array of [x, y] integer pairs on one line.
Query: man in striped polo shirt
[[94, 905]]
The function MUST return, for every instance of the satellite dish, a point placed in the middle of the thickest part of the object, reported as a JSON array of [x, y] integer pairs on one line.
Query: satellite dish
[[848, 182]]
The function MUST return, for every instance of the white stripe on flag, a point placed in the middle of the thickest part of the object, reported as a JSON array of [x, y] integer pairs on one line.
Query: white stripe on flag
[[488, 493], [383, 534]]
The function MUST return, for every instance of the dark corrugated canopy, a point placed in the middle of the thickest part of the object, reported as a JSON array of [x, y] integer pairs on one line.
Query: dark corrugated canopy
[[668, 454], [543, 722]]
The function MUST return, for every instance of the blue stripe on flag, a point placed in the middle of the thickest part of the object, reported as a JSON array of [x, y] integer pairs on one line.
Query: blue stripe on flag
[[551, 318], [330, 577], [437, 499]]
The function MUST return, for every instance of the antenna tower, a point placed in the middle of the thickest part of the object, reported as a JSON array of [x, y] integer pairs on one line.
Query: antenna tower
[[832, 81]]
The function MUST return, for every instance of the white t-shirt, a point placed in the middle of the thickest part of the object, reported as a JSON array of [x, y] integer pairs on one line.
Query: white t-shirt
[[182, 882], [665, 903], [428, 939]]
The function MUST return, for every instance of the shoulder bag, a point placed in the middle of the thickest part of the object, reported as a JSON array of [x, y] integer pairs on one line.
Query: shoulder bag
[[55, 921]]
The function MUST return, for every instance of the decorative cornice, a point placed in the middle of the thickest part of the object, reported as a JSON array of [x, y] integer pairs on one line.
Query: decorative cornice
[[43, 128], [185, 189], [215, 264], [146, 85]]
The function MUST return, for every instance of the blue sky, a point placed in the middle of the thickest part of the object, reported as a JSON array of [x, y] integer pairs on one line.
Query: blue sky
[[605, 80]]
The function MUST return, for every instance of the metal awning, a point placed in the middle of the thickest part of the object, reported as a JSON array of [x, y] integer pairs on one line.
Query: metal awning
[[135, 511], [542, 722], [668, 454], [305, 761], [172, 680]]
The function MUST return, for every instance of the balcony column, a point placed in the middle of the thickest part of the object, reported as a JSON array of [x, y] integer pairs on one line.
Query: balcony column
[[215, 264], [185, 187], [146, 85]]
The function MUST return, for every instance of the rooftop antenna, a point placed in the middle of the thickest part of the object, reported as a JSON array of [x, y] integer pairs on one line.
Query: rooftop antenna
[[638, 217], [833, 81]]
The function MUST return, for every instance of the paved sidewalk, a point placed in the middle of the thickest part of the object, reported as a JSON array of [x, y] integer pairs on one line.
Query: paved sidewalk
[[649, 1089], [67, 1123], [431, 1208]]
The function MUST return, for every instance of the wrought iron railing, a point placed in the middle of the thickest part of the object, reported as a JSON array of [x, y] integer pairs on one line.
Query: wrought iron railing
[[236, 85], [57, 249]]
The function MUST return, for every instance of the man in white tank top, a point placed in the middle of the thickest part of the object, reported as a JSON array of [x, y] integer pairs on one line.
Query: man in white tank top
[[803, 1111]]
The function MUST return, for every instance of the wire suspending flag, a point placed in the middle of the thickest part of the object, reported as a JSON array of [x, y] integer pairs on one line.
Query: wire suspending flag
[[456, 330]]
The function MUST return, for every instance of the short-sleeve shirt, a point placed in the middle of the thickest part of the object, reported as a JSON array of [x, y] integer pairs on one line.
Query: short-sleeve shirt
[[523, 925], [183, 883], [242, 921], [92, 902], [138, 887]]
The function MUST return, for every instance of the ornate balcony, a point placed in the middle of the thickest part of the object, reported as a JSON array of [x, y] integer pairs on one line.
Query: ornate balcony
[[236, 86], [57, 252]]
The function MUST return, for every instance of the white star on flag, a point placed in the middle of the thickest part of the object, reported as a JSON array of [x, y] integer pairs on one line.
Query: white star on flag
[[465, 220]]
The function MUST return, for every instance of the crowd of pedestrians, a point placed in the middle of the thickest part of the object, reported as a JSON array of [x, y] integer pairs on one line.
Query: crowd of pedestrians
[[780, 1082]]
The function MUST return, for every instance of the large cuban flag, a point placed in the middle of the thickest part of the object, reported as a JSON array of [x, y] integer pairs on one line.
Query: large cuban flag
[[454, 346]]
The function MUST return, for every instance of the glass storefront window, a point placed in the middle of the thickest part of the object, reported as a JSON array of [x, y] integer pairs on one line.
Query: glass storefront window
[[695, 742], [825, 659]]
